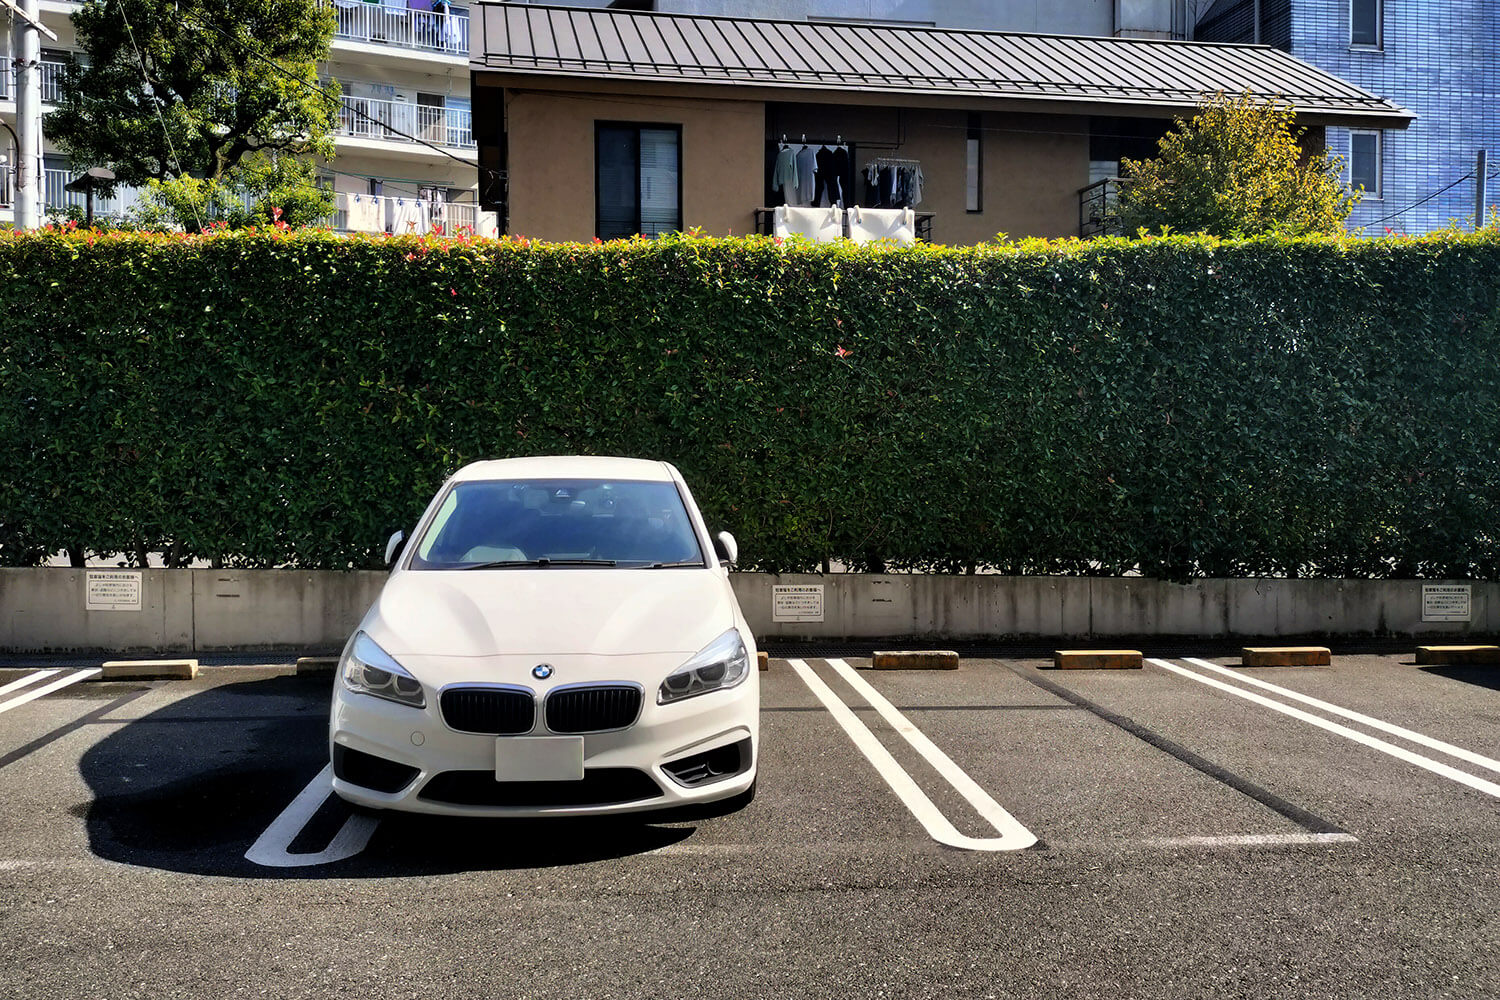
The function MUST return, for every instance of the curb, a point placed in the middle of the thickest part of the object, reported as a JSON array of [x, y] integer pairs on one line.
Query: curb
[[1096, 659], [1431, 655], [148, 670], [1285, 656], [317, 664], [914, 659]]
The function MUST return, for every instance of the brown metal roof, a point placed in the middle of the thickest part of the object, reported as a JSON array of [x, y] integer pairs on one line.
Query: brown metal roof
[[677, 48]]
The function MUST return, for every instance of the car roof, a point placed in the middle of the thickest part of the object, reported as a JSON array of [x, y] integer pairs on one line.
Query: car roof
[[567, 467]]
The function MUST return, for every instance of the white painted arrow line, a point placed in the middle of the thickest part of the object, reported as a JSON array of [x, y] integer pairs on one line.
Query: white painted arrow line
[[28, 680], [1478, 760], [72, 678], [1013, 836], [1400, 753], [270, 848]]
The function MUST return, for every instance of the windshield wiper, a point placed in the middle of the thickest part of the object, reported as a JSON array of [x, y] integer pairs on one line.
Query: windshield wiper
[[543, 563], [697, 563]]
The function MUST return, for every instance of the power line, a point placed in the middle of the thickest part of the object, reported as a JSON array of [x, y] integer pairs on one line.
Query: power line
[[156, 105], [1423, 201]]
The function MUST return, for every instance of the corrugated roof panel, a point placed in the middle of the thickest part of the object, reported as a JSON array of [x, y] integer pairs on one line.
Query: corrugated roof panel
[[534, 38]]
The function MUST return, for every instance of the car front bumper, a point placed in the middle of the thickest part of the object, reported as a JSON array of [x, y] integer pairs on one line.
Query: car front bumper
[[450, 766]]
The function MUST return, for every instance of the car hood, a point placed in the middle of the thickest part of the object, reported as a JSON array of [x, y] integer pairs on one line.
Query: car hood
[[551, 612]]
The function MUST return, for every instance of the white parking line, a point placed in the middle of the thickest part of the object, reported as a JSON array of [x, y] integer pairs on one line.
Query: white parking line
[[1401, 753], [270, 848], [1253, 840], [1479, 760], [28, 680], [1013, 836], [72, 678]]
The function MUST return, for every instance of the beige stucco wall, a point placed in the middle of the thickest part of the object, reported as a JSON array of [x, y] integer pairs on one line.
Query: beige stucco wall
[[1032, 165], [551, 162]]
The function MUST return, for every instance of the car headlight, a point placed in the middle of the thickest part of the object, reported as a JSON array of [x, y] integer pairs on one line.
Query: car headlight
[[721, 664], [369, 669]]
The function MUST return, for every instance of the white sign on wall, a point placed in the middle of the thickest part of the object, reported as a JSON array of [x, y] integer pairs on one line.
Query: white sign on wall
[[112, 590], [797, 602], [1446, 602]]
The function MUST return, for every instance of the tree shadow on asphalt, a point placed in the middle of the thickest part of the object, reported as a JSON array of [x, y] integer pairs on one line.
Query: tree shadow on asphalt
[[1480, 676], [190, 787]]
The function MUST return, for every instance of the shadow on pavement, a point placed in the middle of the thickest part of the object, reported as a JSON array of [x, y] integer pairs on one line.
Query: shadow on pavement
[[190, 787], [1481, 676]]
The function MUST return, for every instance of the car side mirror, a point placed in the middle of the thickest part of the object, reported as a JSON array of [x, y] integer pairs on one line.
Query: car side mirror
[[393, 547], [726, 548]]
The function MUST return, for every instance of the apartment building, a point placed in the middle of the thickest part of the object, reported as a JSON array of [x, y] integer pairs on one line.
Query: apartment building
[[1439, 58], [406, 158]]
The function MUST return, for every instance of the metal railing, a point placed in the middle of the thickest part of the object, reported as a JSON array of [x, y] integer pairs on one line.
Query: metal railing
[[51, 73], [1098, 211], [56, 197], [408, 214], [428, 31], [398, 121]]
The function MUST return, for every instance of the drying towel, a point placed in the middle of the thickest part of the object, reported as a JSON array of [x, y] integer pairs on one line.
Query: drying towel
[[363, 213], [822, 225], [898, 225]]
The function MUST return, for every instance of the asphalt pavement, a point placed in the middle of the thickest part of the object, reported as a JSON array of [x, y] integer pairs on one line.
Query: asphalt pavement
[[1175, 831]]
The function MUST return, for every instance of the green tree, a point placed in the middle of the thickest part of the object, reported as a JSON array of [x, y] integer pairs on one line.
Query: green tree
[[1236, 168], [173, 88]]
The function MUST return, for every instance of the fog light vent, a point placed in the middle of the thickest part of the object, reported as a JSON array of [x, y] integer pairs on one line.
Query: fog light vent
[[711, 765]]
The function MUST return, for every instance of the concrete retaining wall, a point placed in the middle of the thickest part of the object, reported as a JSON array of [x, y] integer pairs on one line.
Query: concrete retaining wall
[[43, 610]]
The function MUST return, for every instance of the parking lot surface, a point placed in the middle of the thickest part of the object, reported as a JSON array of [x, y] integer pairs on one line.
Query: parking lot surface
[[1190, 829]]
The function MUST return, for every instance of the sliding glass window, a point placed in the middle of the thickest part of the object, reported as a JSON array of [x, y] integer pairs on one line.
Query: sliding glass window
[[638, 179]]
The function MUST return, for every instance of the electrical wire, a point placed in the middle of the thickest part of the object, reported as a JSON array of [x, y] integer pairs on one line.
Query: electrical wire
[[156, 105], [1422, 201]]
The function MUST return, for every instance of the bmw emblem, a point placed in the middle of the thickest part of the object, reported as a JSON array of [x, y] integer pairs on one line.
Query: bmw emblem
[[542, 671]]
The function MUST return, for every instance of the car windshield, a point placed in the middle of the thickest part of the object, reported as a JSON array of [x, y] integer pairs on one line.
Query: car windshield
[[551, 523]]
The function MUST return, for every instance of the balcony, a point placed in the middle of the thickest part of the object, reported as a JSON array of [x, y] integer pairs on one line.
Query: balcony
[[410, 215], [51, 74], [398, 121], [421, 30], [56, 197]]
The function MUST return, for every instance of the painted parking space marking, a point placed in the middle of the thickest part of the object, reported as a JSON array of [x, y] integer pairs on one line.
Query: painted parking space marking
[[1374, 743], [27, 681], [1478, 760], [1253, 840], [1012, 835], [72, 677], [270, 849]]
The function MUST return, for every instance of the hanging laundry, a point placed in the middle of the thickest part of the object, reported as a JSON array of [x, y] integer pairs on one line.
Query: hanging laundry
[[822, 225], [827, 192], [363, 213], [784, 174], [894, 225], [843, 171], [917, 180], [807, 176]]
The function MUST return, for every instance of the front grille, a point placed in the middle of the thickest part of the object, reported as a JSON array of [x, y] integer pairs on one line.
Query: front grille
[[712, 765], [593, 709], [370, 771], [495, 711], [601, 786]]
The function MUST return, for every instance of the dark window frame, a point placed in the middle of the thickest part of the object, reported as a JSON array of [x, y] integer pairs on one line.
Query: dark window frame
[[975, 135], [1379, 43], [1378, 194], [600, 124]]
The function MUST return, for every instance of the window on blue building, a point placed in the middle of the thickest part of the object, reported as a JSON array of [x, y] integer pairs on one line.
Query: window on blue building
[[1364, 22], [1364, 162]]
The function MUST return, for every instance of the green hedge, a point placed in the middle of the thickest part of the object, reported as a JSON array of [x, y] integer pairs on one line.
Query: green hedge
[[1178, 406]]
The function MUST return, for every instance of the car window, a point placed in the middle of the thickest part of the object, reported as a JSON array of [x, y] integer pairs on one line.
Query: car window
[[627, 523]]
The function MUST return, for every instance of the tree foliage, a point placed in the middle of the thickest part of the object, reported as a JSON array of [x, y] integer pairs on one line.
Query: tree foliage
[[1236, 168], [195, 87]]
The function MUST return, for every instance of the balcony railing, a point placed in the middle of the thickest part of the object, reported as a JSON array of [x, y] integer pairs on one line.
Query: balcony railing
[[1098, 211], [398, 121], [425, 30], [409, 215], [55, 195], [51, 73]]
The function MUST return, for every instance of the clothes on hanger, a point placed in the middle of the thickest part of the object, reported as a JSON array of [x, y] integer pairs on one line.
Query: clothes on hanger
[[843, 172], [827, 192], [807, 176], [822, 225], [784, 174]]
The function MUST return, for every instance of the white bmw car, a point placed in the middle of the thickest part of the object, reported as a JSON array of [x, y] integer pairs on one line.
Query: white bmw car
[[558, 636]]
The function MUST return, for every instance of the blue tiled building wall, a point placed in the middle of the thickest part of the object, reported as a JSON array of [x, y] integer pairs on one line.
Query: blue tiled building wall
[[1440, 59]]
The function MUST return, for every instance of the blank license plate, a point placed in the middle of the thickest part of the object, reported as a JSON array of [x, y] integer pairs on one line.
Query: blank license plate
[[539, 758]]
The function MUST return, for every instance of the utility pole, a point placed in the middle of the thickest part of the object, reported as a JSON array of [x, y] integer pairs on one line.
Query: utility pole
[[27, 46], [1479, 171]]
